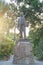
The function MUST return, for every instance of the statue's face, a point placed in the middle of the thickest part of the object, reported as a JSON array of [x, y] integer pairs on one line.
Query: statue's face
[[21, 13]]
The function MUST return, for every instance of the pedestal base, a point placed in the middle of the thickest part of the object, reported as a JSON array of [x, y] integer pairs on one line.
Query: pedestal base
[[23, 52]]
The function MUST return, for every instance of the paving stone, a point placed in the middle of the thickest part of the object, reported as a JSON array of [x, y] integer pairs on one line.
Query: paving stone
[[10, 63]]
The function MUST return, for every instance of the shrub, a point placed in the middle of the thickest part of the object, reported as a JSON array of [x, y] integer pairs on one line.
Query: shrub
[[37, 39], [6, 48]]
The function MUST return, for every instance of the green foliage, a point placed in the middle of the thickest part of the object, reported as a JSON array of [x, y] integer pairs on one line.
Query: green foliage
[[11, 36], [6, 47], [3, 7], [33, 11], [19, 1], [37, 39], [32, 14]]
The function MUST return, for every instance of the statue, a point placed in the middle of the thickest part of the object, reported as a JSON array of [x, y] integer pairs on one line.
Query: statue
[[22, 25], [23, 48]]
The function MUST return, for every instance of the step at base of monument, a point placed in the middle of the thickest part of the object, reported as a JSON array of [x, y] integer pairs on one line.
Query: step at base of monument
[[23, 52], [23, 62]]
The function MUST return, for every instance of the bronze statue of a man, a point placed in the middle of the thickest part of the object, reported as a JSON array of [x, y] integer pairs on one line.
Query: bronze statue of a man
[[22, 25]]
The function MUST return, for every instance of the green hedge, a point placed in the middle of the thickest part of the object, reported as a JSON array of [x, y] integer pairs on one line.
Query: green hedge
[[38, 50], [6, 48], [36, 36]]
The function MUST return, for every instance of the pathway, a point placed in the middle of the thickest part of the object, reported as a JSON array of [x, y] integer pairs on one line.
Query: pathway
[[9, 62]]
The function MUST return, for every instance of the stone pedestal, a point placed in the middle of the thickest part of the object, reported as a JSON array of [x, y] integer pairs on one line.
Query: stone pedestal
[[23, 52]]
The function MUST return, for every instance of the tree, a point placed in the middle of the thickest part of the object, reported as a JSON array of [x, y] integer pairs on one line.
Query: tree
[[6, 17], [33, 11], [3, 7]]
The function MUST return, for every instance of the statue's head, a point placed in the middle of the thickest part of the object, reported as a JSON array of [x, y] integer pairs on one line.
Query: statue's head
[[21, 13]]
